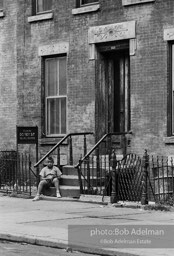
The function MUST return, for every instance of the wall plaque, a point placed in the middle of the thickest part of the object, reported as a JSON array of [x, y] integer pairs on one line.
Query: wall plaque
[[168, 34], [111, 32]]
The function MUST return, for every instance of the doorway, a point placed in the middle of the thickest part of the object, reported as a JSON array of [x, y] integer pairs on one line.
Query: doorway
[[113, 89]]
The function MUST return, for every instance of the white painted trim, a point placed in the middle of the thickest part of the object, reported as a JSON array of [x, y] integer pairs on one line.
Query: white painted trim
[[45, 16], [130, 2], [85, 9]]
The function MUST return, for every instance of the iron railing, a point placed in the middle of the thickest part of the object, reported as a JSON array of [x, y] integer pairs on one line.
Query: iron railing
[[94, 169], [69, 140], [15, 172], [162, 176]]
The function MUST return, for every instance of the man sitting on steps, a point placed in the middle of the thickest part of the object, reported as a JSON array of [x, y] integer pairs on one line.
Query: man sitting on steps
[[50, 175]]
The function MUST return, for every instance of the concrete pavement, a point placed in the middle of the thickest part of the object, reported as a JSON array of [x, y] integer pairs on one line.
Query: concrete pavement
[[46, 222]]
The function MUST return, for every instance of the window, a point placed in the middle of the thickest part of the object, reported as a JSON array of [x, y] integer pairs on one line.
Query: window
[[55, 95], [1, 4], [84, 2], [81, 3], [41, 6], [172, 90]]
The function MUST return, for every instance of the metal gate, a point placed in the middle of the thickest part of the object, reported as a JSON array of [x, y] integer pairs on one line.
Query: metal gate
[[129, 178]]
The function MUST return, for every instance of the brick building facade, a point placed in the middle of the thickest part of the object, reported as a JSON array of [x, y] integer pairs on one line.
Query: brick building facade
[[101, 66]]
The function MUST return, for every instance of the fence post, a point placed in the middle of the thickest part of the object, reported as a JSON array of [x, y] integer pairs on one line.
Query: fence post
[[70, 151], [145, 164], [114, 192]]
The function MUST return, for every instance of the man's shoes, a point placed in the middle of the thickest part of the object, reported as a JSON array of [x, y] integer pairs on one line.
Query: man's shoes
[[58, 194], [37, 198]]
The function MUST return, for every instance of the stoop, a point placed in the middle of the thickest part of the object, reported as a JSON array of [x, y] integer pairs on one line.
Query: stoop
[[69, 184]]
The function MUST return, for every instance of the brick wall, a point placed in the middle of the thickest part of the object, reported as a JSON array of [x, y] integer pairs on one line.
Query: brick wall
[[148, 68], [8, 73]]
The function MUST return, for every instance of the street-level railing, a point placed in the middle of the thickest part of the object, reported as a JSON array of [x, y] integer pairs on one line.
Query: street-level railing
[[15, 173], [95, 168]]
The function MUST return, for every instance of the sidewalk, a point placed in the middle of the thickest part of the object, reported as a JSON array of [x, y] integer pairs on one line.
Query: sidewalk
[[45, 222]]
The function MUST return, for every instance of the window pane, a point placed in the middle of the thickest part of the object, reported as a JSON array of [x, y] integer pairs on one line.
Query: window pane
[[88, 1], [63, 115], [51, 77], [56, 116], [44, 5], [53, 116], [1, 4], [62, 76]]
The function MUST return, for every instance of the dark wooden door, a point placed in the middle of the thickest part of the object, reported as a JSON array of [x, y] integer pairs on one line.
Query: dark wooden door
[[112, 93]]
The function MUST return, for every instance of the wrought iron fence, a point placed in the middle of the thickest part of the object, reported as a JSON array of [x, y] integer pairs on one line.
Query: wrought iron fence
[[15, 172], [162, 176], [95, 175], [100, 177]]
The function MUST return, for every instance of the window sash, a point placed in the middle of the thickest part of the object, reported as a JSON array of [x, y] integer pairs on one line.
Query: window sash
[[56, 115], [55, 95], [43, 6], [87, 2]]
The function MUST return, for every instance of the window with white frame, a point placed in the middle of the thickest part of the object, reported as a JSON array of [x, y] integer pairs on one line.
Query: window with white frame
[[42, 6], [55, 95]]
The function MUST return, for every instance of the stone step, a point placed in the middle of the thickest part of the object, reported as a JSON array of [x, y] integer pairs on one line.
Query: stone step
[[66, 191], [69, 170], [71, 180]]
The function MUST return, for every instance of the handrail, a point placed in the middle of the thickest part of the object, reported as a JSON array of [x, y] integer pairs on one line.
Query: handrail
[[96, 145], [59, 143]]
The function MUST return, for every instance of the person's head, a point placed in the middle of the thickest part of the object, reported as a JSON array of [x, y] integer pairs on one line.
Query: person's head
[[50, 162]]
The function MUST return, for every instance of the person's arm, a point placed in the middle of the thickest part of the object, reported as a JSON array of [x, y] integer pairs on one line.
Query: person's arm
[[42, 174], [58, 173]]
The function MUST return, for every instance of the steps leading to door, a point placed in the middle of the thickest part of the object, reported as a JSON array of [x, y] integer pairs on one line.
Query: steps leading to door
[[69, 184]]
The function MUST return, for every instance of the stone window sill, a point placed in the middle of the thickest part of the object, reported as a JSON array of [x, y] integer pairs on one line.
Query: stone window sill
[[169, 140], [86, 9], [2, 14], [131, 2], [40, 17]]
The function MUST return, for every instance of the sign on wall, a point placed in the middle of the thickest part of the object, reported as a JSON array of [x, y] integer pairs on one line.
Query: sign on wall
[[27, 135]]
